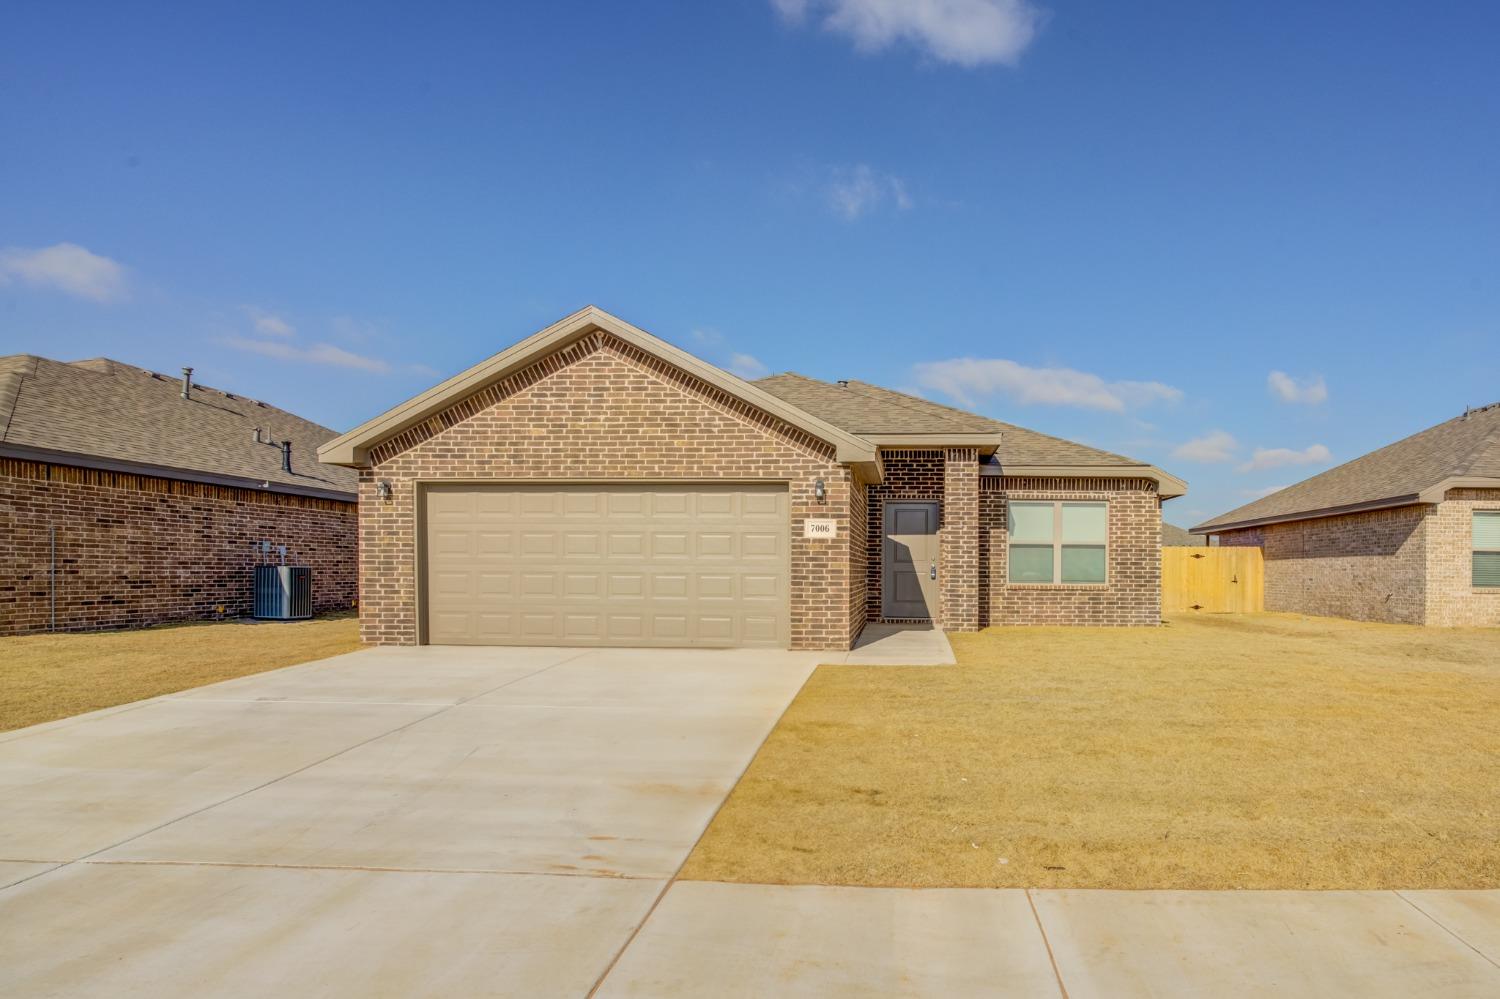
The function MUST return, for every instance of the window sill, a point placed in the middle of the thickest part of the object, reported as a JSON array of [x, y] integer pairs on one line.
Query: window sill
[[1056, 586]]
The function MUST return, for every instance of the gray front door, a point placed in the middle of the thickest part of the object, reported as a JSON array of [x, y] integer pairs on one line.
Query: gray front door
[[908, 587]]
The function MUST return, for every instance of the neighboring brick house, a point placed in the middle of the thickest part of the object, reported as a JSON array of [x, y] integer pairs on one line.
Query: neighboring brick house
[[594, 485], [1407, 534], [129, 498]]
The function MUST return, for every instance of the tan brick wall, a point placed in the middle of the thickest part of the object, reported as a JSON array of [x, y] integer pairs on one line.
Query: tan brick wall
[[1451, 599], [602, 410], [135, 550], [1369, 566], [1132, 595], [958, 575]]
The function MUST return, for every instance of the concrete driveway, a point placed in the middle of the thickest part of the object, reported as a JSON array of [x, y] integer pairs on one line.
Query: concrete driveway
[[400, 822]]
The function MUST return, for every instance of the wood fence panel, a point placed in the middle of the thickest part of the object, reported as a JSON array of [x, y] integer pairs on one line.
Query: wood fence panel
[[1212, 580]]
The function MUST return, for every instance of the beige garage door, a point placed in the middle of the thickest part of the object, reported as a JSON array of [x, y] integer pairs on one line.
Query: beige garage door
[[659, 565]]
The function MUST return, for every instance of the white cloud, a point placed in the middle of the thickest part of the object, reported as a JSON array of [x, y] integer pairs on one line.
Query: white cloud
[[68, 268], [1276, 457], [316, 353], [747, 367], [968, 378], [963, 32], [1310, 391], [1216, 445], [716, 344], [854, 192], [268, 323]]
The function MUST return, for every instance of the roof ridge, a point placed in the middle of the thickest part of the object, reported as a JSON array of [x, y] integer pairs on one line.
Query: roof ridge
[[907, 398]]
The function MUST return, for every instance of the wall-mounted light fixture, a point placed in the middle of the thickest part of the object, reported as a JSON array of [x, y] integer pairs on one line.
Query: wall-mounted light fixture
[[383, 490], [820, 491]]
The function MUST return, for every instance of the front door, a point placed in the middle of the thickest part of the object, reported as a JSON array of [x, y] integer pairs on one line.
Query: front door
[[909, 558]]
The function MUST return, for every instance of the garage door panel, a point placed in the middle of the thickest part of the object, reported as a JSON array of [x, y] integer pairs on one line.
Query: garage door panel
[[600, 565]]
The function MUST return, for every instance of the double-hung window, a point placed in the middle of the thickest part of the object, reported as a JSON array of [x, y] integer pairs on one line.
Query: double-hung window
[[1487, 548], [1058, 542]]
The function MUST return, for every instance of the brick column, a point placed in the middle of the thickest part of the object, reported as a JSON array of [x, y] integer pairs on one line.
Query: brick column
[[958, 569]]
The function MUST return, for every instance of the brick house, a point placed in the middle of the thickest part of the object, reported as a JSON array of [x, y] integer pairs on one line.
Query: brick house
[[1407, 534], [129, 498], [595, 485]]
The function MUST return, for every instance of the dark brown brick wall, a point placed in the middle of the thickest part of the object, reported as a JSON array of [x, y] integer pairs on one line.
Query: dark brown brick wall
[[135, 550], [909, 475], [1132, 595], [958, 581], [602, 410]]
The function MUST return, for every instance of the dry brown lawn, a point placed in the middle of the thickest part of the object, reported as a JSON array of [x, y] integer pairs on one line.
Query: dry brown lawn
[[1257, 751], [43, 677]]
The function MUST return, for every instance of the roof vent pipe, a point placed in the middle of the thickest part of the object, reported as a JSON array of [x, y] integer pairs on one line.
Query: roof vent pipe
[[286, 456], [843, 383], [187, 382]]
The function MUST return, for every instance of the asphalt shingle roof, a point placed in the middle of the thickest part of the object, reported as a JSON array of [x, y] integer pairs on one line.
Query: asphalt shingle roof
[[869, 410], [113, 411], [1467, 445]]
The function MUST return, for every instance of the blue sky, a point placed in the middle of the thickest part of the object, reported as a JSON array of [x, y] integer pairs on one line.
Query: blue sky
[[1111, 222]]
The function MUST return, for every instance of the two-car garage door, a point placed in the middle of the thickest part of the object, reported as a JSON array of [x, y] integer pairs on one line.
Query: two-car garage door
[[646, 565]]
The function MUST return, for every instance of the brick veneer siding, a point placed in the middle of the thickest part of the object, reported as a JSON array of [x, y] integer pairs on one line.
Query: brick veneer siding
[[1369, 566], [908, 475], [958, 575], [1452, 599], [602, 410], [859, 557], [1132, 594], [1406, 565], [135, 550]]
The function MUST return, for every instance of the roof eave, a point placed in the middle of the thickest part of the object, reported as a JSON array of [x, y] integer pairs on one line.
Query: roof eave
[[106, 464], [1167, 486], [352, 449], [986, 443]]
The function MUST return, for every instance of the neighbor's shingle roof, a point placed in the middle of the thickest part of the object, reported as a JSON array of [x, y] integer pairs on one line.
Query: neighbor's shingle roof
[[111, 411], [869, 410], [1467, 445]]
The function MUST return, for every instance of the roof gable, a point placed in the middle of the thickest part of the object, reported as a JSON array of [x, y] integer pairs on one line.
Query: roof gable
[[1417, 469], [353, 448]]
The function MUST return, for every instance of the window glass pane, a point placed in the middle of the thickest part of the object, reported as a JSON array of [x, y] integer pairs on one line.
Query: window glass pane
[[1487, 568], [1083, 564], [1030, 523], [1487, 531], [1084, 523], [1031, 563]]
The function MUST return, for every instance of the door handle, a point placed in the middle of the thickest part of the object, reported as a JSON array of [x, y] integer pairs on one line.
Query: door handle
[[932, 571]]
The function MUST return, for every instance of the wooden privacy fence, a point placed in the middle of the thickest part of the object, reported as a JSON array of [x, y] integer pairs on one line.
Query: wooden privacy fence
[[1212, 580]]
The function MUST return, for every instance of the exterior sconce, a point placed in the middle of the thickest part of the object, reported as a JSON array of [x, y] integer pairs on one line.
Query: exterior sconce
[[383, 490], [820, 491]]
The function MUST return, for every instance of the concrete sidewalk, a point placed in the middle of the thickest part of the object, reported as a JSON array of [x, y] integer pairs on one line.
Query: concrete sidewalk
[[756, 940]]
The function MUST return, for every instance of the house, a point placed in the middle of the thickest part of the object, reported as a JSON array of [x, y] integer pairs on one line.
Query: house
[[594, 485], [130, 498], [1409, 533]]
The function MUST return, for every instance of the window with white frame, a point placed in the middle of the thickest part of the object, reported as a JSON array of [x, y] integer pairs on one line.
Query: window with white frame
[[1058, 542], [1487, 548]]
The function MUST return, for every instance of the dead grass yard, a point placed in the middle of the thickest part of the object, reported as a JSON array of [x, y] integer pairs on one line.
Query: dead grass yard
[[1257, 751], [43, 677]]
